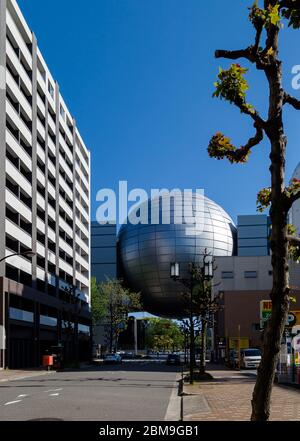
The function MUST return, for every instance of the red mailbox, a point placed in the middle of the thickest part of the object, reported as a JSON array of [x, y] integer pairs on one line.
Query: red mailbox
[[48, 361]]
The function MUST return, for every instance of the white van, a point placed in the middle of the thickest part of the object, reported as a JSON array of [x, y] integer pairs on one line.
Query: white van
[[250, 358]]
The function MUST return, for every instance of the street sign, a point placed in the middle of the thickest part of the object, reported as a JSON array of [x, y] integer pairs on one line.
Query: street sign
[[296, 343], [265, 313], [291, 320], [235, 342]]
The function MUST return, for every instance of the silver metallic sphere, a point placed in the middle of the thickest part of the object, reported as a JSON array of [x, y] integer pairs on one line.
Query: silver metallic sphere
[[147, 251]]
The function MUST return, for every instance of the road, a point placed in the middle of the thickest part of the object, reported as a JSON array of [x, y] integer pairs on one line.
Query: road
[[130, 392]]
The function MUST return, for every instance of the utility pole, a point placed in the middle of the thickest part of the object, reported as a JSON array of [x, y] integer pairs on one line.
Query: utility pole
[[239, 346]]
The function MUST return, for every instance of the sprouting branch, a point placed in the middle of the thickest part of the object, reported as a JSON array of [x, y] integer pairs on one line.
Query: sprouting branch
[[232, 87], [288, 99], [292, 193], [292, 198], [220, 147]]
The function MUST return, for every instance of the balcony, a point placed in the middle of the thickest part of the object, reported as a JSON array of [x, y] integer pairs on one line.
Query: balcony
[[11, 83], [18, 149], [14, 202], [15, 117], [17, 176], [51, 146], [41, 153], [41, 105], [66, 148], [40, 201], [65, 187], [40, 177], [41, 129], [65, 207], [41, 81], [11, 54], [14, 230], [19, 39]]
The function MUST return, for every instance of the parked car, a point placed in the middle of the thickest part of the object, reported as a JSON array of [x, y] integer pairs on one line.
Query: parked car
[[250, 358], [112, 359], [173, 359], [126, 355]]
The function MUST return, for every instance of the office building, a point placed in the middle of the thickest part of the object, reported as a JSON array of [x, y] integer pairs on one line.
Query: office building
[[44, 205], [103, 251], [253, 233]]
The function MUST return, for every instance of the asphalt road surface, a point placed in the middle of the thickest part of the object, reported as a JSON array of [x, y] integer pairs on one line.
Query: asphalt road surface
[[129, 392]]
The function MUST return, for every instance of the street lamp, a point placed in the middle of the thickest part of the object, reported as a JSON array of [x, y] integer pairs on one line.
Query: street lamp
[[175, 275], [208, 269], [28, 253], [174, 270]]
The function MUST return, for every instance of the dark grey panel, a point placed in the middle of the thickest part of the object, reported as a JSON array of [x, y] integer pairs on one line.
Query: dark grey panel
[[107, 255], [102, 271]]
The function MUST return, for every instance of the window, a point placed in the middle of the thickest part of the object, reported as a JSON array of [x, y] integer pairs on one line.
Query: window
[[250, 274], [62, 112], [227, 274], [51, 89]]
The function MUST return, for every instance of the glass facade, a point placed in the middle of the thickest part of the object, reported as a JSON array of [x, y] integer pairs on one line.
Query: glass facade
[[103, 251], [253, 235]]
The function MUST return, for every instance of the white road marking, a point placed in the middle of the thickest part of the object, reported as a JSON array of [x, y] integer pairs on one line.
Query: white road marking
[[12, 402], [22, 396], [53, 390], [54, 395]]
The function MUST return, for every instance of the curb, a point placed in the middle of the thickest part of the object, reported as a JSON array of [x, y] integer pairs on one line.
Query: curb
[[174, 409]]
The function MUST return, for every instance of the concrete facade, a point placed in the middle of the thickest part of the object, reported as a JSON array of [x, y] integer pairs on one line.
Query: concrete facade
[[244, 282], [45, 200]]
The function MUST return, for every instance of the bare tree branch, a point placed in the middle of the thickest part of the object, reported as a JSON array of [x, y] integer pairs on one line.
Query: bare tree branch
[[294, 4], [234, 55], [255, 140], [288, 99], [294, 240]]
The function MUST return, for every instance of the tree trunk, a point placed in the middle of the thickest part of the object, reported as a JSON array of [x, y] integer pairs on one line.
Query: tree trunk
[[279, 245], [273, 333], [203, 346]]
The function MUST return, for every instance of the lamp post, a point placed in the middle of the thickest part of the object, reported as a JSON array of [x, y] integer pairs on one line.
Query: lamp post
[[200, 275], [28, 253], [207, 275], [175, 275]]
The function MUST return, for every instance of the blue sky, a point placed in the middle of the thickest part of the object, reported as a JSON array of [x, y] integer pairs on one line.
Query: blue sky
[[138, 77]]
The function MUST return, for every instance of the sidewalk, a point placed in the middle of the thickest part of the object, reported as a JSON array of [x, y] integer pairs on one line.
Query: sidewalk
[[11, 375], [228, 398]]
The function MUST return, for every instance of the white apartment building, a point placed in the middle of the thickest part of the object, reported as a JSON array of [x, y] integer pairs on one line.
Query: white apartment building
[[44, 201]]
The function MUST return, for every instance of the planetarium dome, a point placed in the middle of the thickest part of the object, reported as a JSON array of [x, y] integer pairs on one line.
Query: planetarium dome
[[147, 251]]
